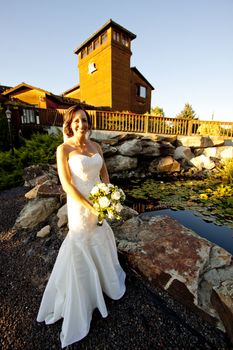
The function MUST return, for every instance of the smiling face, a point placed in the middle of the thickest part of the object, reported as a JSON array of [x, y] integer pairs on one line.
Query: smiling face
[[76, 119], [79, 124]]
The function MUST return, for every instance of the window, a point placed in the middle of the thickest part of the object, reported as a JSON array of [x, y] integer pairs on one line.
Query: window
[[83, 53], [89, 48], [96, 43], [104, 37], [125, 40], [141, 91], [116, 36], [28, 116]]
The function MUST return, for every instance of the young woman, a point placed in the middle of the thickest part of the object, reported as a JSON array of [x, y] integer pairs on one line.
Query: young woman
[[87, 264]]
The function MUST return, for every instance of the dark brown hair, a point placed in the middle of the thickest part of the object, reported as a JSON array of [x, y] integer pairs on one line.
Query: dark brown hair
[[69, 116]]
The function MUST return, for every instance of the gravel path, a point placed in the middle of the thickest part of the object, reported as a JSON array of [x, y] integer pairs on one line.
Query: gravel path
[[142, 319]]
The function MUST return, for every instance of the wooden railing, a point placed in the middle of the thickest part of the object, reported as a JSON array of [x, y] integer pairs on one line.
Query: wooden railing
[[115, 121], [139, 123]]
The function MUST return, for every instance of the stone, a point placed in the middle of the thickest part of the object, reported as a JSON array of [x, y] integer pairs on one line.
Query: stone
[[199, 141], [150, 148], [222, 300], [45, 231], [108, 150], [50, 189], [202, 162], [119, 163], [130, 148], [32, 193], [183, 152], [36, 211], [164, 165], [166, 148], [62, 216], [176, 259]]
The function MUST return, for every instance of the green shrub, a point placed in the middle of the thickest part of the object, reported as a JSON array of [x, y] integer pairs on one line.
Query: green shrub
[[40, 149]]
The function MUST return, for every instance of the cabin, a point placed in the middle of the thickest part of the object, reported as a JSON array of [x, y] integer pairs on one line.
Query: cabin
[[106, 78], [37, 97]]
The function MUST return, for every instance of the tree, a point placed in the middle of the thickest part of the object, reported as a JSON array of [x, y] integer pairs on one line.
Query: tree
[[157, 112], [187, 113]]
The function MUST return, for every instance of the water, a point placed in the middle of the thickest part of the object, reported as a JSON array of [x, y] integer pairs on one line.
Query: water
[[220, 235]]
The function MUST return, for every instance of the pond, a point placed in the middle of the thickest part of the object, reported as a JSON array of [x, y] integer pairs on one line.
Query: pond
[[220, 235]]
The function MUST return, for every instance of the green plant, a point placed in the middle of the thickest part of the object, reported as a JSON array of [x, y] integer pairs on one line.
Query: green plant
[[225, 171], [40, 149]]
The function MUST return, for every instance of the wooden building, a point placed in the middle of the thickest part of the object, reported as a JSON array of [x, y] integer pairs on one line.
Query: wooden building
[[106, 78], [38, 97]]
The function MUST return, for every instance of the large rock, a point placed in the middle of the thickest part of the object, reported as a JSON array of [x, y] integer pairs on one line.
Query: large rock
[[38, 174], [222, 299], [130, 148], [164, 165], [202, 162], [36, 211], [222, 152], [119, 163], [199, 141], [183, 152], [150, 148], [178, 260]]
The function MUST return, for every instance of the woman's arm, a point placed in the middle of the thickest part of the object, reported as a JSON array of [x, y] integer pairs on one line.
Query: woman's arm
[[103, 171], [65, 179]]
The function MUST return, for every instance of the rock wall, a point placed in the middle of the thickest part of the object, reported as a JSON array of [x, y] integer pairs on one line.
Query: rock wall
[[134, 155]]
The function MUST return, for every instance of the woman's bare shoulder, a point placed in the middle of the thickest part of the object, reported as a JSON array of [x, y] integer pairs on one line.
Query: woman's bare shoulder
[[96, 145], [63, 148]]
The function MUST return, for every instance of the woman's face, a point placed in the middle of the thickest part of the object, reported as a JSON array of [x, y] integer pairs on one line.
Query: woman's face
[[79, 123]]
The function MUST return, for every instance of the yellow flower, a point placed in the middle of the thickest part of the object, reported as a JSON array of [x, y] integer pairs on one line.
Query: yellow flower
[[203, 196]]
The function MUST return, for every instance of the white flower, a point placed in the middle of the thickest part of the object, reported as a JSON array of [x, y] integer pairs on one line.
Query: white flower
[[96, 205], [118, 207], [116, 195], [110, 215], [94, 190], [104, 202]]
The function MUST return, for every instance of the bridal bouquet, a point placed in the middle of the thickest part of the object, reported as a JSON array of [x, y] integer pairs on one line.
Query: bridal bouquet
[[107, 199]]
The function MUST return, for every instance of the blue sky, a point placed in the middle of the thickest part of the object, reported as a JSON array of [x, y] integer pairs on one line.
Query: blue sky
[[184, 48]]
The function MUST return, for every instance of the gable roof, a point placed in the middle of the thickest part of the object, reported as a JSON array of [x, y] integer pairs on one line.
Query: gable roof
[[76, 87], [135, 70], [23, 87], [107, 25], [4, 88]]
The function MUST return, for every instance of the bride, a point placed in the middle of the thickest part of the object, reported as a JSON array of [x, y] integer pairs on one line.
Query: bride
[[87, 264]]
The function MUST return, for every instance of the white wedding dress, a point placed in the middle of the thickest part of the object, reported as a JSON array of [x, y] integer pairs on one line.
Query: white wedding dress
[[87, 264]]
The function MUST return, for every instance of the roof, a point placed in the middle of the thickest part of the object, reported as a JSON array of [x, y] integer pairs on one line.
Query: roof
[[4, 88], [107, 25], [136, 71], [23, 86], [76, 87]]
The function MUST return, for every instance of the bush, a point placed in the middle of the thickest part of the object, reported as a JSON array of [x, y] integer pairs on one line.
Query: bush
[[40, 149]]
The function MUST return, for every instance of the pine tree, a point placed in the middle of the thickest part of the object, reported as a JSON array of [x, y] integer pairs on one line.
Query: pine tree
[[157, 112], [187, 113]]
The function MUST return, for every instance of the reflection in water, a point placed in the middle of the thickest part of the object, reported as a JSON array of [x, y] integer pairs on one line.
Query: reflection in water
[[220, 235]]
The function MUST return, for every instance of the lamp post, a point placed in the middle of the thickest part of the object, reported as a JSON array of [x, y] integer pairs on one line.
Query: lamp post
[[8, 117]]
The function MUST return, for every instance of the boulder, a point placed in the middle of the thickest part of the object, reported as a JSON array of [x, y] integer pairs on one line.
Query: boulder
[[119, 163], [164, 165], [176, 259], [150, 148], [202, 162], [182, 152], [36, 211], [199, 141], [130, 148]]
